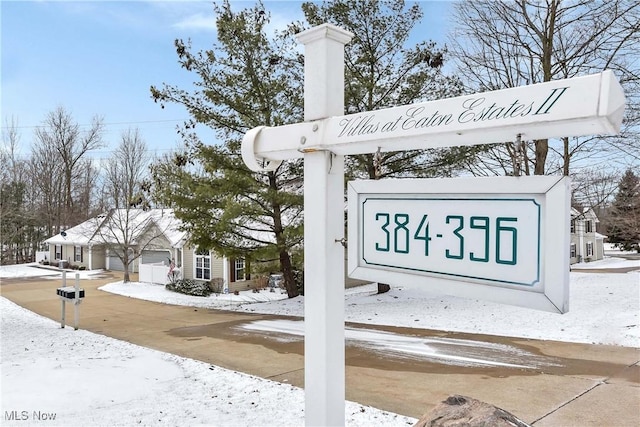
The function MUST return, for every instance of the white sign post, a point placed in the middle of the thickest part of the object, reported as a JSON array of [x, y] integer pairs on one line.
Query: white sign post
[[324, 376], [580, 106]]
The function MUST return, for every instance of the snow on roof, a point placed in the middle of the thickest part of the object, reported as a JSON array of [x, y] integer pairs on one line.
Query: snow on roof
[[170, 226], [586, 213], [111, 227], [80, 234], [129, 224]]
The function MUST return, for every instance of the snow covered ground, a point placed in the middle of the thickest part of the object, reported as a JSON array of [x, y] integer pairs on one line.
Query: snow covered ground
[[604, 308], [78, 378], [81, 378], [36, 270]]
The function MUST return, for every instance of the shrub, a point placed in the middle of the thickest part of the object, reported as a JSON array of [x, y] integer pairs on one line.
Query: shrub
[[298, 279], [217, 285], [261, 282], [190, 287]]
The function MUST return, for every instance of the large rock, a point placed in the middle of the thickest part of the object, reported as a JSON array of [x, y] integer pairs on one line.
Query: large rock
[[462, 411]]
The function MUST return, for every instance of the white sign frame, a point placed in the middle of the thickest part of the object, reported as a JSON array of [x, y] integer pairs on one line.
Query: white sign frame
[[585, 105], [549, 293], [573, 107]]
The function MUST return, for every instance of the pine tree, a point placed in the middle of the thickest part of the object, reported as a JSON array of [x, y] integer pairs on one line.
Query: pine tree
[[624, 228], [247, 79], [383, 69]]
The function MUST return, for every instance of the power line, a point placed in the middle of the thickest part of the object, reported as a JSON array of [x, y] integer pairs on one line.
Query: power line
[[103, 124]]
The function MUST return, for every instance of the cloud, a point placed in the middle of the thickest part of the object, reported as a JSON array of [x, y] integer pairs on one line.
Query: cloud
[[197, 21]]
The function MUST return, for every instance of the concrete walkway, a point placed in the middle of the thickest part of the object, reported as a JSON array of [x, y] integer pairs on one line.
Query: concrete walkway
[[589, 385]]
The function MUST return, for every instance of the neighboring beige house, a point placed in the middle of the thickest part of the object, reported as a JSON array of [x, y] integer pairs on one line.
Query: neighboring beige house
[[156, 233], [586, 243], [75, 246]]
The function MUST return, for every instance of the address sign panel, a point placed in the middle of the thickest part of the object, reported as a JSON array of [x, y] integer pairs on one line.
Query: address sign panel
[[479, 239], [462, 239]]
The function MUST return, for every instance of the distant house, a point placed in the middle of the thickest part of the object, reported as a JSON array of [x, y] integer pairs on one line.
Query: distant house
[[156, 235], [586, 243], [75, 246]]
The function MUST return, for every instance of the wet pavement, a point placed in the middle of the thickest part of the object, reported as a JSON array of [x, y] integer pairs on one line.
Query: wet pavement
[[403, 370]]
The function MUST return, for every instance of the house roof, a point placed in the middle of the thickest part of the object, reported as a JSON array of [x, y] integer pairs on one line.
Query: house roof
[[170, 226], [80, 234], [586, 213], [113, 226]]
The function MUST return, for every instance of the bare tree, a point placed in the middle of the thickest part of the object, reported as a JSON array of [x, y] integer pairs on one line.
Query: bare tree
[[126, 170], [13, 211], [62, 136], [84, 193], [508, 44], [128, 230], [10, 152], [126, 233], [47, 179], [594, 188]]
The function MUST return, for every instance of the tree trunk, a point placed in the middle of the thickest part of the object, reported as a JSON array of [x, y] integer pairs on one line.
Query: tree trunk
[[542, 148], [287, 273], [125, 263], [285, 258], [565, 159]]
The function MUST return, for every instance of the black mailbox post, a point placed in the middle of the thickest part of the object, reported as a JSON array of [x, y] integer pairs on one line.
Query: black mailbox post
[[71, 294]]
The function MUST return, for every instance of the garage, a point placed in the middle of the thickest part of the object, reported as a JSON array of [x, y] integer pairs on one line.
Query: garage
[[153, 257], [114, 263]]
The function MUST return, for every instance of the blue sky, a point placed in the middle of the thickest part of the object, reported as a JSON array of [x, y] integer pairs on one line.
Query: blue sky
[[100, 58]]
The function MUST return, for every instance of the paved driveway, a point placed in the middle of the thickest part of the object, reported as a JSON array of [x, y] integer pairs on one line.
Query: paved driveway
[[556, 384]]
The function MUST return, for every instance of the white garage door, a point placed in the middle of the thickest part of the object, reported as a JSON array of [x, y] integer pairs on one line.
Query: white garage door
[[152, 257], [115, 264]]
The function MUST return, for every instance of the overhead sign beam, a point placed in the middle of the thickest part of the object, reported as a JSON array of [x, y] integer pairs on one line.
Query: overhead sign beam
[[587, 105]]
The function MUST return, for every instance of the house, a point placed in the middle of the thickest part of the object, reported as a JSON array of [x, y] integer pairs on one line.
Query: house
[[586, 243], [75, 246], [156, 236]]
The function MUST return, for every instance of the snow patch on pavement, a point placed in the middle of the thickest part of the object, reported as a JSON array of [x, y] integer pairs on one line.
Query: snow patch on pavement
[[449, 351]]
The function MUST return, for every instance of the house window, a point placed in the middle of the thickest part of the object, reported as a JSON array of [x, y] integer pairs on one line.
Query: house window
[[178, 258], [588, 226], [203, 264], [58, 252], [77, 253], [572, 250], [589, 249], [573, 225], [239, 268]]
